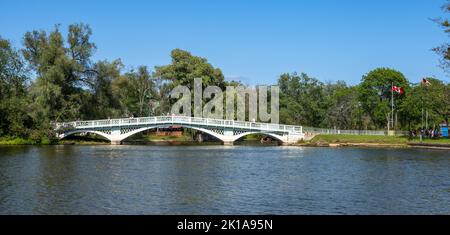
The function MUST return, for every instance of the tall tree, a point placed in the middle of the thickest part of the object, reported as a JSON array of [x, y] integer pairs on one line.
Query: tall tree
[[444, 49], [62, 70], [137, 92], [344, 111], [145, 89], [302, 100], [103, 102], [185, 68], [375, 94], [426, 102], [14, 119], [182, 71]]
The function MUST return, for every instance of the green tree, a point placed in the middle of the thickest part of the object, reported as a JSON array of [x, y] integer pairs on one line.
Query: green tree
[[185, 68], [103, 102], [433, 99], [137, 92], [182, 71], [14, 119], [302, 100], [344, 111], [444, 50], [375, 94], [62, 69]]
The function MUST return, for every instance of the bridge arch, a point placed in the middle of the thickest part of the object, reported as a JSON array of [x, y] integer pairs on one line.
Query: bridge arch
[[206, 131], [220, 137], [104, 135], [275, 136]]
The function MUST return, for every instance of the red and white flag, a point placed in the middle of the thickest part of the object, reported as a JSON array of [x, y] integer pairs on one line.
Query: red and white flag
[[398, 89]]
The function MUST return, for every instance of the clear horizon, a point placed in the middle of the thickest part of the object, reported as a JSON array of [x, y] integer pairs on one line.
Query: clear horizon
[[252, 41]]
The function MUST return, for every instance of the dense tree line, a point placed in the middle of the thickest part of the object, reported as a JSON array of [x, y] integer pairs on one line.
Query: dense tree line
[[53, 78], [307, 101]]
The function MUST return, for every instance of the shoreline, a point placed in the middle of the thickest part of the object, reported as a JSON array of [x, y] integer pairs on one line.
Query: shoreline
[[336, 141], [331, 141], [377, 145], [309, 145]]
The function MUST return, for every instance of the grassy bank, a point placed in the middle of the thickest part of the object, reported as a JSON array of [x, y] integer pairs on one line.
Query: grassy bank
[[46, 141], [22, 141], [359, 139], [397, 141]]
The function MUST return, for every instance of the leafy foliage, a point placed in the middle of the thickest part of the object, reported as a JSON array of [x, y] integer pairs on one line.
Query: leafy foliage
[[182, 71], [53, 78], [433, 99], [375, 94], [302, 100], [444, 50], [14, 119]]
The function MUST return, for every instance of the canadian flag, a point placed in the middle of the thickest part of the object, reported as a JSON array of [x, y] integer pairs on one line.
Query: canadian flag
[[398, 89], [425, 82]]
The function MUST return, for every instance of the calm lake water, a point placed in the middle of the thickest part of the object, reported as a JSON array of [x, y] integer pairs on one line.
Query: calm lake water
[[222, 180]]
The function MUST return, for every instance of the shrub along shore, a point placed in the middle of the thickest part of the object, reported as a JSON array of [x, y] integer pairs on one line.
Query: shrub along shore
[[24, 141]]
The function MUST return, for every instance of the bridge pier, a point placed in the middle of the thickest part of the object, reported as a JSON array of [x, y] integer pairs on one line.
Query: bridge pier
[[228, 137], [116, 142], [228, 143]]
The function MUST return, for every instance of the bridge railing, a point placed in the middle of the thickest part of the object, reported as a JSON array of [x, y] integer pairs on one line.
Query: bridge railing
[[180, 120], [349, 132], [214, 122]]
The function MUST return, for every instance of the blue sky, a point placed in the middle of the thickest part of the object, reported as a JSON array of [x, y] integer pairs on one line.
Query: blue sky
[[253, 41]]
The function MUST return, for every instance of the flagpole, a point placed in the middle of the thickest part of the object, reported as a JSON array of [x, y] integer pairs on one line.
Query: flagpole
[[421, 99], [392, 102], [422, 131]]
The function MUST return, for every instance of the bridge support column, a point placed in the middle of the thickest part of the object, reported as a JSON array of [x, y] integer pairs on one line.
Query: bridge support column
[[228, 143], [292, 139], [228, 137], [115, 136]]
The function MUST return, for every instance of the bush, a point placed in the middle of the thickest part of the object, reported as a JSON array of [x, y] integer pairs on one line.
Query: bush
[[16, 141]]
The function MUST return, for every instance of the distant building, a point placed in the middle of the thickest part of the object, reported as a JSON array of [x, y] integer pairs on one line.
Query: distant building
[[168, 131]]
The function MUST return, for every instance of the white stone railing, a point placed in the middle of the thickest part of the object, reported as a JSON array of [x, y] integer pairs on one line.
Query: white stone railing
[[343, 132], [179, 120]]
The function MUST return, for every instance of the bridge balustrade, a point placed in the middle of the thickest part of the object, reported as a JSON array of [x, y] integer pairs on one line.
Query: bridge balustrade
[[180, 119]]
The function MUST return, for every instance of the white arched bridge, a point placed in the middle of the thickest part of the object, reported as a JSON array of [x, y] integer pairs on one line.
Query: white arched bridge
[[227, 131]]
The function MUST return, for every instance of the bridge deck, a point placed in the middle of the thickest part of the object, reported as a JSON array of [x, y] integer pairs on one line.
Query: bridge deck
[[180, 120]]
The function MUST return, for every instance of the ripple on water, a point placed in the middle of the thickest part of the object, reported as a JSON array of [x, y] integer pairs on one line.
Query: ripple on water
[[222, 180]]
